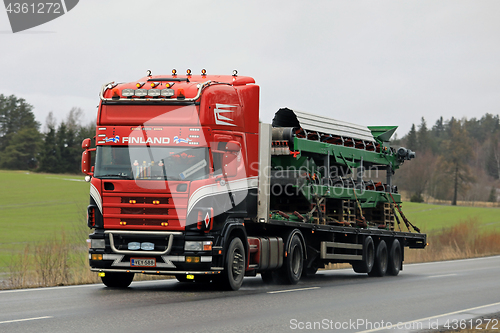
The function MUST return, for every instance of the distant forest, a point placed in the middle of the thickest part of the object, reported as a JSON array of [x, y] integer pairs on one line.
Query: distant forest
[[23, 146], [457, 159]]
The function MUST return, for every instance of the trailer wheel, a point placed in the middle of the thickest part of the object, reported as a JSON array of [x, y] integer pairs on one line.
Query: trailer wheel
[[381, 260], [234, 268], [366, 263], [394, 264], [117, 280], [291, 271]]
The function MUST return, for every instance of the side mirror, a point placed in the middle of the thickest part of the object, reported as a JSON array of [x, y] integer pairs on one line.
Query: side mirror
[[230, 160], [86, 143], [233, 146], [86, 160]]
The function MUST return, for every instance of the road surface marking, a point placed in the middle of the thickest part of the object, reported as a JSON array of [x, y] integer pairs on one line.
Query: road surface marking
[[452, 261], [428, 318], [290, 290], [27, 319], [80, 286], [436, 276]]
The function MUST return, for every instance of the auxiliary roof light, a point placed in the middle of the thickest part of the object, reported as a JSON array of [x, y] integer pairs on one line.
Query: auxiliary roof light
[[154, 92], [203, 71], [180, 94], [148, 72], [235, 72], [128, 92], [188, 71], [139, 84], [116, 93], [167, 92], [141, 92], [174, 72]]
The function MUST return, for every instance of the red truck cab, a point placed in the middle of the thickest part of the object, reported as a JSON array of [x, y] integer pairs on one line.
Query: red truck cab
[[174, 162]]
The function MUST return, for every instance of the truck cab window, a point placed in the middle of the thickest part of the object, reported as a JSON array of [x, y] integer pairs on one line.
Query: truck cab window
[[151, 163]]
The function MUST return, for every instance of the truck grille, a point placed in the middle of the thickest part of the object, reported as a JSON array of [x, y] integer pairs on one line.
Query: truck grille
[[145, 211]]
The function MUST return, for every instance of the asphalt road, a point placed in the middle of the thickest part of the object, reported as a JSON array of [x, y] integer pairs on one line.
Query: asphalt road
[[337, 300]]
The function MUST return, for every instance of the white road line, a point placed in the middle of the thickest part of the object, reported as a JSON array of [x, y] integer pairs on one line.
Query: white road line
[[453, 261], [428, 318], [135, 283], [290, 290], [48, 288], [438, 276], [27, 319]]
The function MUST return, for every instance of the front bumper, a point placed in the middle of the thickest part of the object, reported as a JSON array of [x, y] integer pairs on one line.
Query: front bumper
[[168, 253]]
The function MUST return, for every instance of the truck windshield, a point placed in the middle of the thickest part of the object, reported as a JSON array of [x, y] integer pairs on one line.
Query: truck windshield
[[155, 163]]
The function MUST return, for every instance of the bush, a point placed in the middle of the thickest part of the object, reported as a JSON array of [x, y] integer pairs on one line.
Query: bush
[[417, 197]]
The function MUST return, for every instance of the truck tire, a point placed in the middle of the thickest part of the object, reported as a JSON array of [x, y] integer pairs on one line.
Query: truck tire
[[381, 260], [117, 280], [293, 264], [234, 267], [366, 263], [394, 263]]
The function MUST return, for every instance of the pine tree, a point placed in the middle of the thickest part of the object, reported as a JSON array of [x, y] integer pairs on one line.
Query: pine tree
[[411, 139], [457, 151], [21, 153], [493, 195], [50, 157], [424, 142]]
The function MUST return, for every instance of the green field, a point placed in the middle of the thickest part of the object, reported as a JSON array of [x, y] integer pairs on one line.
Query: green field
[[34, 207], [432, 218]]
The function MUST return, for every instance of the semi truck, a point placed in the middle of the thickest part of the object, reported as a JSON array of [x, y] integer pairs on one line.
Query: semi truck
[[186, 181]]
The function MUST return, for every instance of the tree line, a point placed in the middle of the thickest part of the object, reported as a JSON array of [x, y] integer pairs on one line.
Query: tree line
[[23, 146], [457, 159]]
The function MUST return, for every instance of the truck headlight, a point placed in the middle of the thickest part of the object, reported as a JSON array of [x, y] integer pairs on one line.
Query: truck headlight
[[97, 244], [193, 246], [198, 246]]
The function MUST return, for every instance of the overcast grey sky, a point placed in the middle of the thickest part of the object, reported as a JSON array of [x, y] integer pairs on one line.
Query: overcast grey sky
[[367, 62]]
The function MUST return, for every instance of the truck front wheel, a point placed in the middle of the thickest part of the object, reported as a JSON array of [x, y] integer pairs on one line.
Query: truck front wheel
[[117, 280], [234, 268]]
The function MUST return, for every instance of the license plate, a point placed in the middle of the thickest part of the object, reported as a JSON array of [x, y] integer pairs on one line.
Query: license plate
[[142, 262]]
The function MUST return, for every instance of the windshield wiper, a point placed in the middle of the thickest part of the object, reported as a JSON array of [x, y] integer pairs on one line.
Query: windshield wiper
[[124, 176]]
